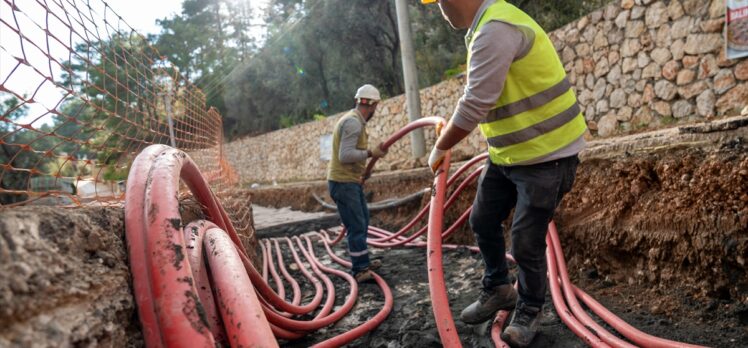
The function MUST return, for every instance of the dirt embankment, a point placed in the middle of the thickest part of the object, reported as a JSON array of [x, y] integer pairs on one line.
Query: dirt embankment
[[679, 217], [65, 276], [65, 279]]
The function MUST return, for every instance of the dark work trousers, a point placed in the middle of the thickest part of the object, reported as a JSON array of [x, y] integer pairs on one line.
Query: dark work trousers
[[352, 208], [533, 191]]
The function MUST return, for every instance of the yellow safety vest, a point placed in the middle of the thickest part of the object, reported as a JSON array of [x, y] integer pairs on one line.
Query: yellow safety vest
[[347, 172], [537, 112]]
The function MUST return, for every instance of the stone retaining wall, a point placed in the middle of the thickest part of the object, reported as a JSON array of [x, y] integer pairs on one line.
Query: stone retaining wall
[[635, 64]]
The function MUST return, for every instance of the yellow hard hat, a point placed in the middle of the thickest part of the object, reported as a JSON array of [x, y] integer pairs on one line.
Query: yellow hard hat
[[426, 2]]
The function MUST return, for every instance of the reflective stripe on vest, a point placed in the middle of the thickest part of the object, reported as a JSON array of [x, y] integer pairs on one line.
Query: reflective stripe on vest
[[347, 172], [537, 112]]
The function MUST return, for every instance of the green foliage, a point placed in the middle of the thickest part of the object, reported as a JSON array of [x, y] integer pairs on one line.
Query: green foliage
[[552, 15], [122, 85], [319, 117], [115, 173], [316, 53], [66, 168], [286, 121], [450, 73], [11, 110], [11, 151], [206, 41], [440, 50]]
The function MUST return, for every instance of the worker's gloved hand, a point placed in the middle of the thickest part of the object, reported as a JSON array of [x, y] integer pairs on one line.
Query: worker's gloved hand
[[362, 179], [439, 127], [436, 158], [377, 151]]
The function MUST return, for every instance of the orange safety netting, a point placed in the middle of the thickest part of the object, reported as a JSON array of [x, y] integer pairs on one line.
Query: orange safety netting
[[81, 93]]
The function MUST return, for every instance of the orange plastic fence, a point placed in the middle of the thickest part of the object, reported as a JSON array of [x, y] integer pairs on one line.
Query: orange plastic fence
[[81, 93]]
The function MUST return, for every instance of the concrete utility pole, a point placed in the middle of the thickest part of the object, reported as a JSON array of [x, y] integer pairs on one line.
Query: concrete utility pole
[[169, 115], [411, 78]]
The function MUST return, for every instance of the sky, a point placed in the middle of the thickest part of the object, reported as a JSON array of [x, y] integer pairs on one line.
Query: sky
[[142, 14], [32, 19]]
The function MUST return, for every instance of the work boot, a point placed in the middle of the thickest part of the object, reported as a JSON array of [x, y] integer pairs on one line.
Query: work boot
[[523, 327], [364, 275], [489, 302], [375, 264]]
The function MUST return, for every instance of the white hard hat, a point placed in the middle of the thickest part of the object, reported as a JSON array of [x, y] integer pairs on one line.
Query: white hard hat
[[368, 92]]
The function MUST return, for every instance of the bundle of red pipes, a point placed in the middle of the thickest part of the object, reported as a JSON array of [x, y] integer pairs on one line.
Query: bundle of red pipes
[[194, 284]]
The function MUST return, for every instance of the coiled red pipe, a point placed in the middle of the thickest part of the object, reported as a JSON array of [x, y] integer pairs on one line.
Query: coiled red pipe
[[185, 278], [294, 284], [437, 288], [169, 304], [380, 242]]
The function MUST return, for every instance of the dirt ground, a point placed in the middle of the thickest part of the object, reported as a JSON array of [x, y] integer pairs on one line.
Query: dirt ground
[[411, 323]]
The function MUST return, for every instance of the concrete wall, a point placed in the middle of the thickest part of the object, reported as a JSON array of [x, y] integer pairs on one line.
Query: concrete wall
[[635, 64]]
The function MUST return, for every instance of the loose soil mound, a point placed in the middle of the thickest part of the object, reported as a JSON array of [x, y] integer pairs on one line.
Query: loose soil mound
[[65, 279]]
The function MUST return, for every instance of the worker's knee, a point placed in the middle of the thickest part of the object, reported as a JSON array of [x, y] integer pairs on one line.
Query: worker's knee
[[529, 252], [482, 224]]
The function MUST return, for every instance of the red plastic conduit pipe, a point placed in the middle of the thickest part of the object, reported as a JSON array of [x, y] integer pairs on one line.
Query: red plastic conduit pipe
[[440, 303], [373, 322], [169, 262], [563, 311], [571, 300], [280, 289], [425, 209], [291, 280], [571, 294], [168, 302], [194, 234], [453, 197], [240, 309], [437, 288]]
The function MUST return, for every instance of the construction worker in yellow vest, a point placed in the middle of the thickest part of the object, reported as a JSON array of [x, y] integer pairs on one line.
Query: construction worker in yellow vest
[[344, 178], [518, 95]]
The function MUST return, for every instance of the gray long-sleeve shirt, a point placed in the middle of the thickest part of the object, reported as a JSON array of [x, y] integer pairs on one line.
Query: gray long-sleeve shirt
[[350, 130], [496, 46]]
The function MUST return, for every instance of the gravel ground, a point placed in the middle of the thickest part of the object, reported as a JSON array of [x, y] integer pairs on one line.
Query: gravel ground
[[411, 323]]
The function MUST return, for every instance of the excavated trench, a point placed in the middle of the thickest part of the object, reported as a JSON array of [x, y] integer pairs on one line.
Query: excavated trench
[[656, 229]]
